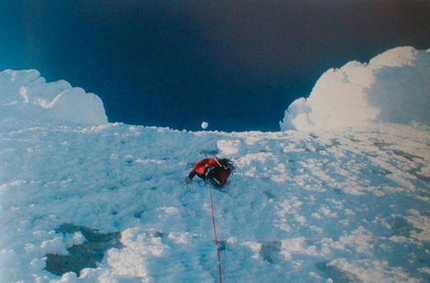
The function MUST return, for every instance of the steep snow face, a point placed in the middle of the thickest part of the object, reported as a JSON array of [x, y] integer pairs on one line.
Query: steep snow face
[[108, 204], [26, 95], [393, 87]]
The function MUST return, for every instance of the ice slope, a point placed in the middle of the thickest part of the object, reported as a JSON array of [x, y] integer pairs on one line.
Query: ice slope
[[325, 206]]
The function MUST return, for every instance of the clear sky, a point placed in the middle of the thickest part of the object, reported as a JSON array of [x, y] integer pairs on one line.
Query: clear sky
[[235, 64]]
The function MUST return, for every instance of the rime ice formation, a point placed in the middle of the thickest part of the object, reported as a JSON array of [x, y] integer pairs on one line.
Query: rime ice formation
[[26, 95], [394, 87]]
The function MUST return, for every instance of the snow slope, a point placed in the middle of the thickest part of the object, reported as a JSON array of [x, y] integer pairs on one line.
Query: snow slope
[[91, 201], [302, 207]]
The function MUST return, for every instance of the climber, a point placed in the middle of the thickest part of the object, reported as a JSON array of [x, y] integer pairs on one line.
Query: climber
[[215, 170]]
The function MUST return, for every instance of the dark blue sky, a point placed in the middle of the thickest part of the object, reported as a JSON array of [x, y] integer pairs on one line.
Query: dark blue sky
[[235, 64]]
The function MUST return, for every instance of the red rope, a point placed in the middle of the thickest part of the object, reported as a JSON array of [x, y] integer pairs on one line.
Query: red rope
[[215, 235]]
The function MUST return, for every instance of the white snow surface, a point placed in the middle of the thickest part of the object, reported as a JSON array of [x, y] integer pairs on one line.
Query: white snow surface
[[393, 87], [26, 95], [91, 201]]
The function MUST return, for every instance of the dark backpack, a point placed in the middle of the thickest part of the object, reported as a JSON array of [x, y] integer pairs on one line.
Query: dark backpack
[[218, 175], [227, 164]]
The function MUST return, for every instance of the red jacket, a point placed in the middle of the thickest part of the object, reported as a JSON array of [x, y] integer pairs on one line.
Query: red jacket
[[218, 174]]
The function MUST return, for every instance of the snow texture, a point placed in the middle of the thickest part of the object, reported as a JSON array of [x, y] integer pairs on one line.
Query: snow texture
[[393, 87], [26, 95], [90, 201]]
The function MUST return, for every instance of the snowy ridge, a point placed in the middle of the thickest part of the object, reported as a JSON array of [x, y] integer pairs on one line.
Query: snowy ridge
[[393, 87], [302, 207]]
